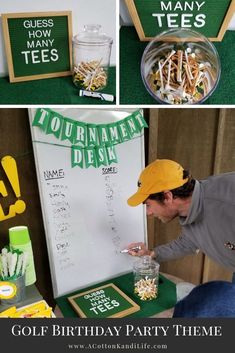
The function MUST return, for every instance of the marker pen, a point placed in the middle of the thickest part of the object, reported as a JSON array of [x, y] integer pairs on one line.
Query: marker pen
[[102, 96], [135, 248]]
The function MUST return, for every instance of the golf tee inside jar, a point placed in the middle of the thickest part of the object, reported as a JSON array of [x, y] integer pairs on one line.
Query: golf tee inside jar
[[146, 273], [91, 57], [180, 66]]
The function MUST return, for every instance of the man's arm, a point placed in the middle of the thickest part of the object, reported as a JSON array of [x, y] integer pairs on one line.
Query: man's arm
[[175, 249]]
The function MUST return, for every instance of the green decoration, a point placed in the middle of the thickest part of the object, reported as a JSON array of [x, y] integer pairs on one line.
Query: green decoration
[[77, 156], [114, 133], [103, 134], [90, 157], [55, 124], [68, 130], [41, 118], [92, 145], [111, 154], [80, 135], [123, 131], [132, 126], [92, 135], [140, 120], [101, 156]]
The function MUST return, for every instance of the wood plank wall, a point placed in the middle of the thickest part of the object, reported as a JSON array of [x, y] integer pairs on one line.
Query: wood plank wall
[[203, 140]]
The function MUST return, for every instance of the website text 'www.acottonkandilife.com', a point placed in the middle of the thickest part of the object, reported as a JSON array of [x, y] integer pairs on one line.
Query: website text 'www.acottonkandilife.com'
[[117, 346]]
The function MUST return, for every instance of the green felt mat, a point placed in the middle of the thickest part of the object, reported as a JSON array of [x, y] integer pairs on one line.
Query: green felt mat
[[166, 297], [132, 90], [59, 90]]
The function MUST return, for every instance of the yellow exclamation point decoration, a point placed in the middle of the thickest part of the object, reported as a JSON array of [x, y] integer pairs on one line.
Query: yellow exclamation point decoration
[[10, 168]]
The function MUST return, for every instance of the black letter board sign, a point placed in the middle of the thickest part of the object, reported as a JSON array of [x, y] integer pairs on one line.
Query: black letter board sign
[[209, 17], [38, 45]]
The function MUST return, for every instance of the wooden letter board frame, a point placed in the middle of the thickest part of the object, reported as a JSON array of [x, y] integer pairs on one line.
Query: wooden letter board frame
[[143, 37], [8, 46], [133, 307]]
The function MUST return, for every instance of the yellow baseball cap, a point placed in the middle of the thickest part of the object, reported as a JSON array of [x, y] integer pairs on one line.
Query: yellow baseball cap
[[160, 175]]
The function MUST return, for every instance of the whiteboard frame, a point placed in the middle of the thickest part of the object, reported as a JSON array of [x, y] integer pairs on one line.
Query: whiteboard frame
[[56, 294]]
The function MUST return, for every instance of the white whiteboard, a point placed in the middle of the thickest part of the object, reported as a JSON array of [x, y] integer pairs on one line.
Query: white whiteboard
[[86, 217]]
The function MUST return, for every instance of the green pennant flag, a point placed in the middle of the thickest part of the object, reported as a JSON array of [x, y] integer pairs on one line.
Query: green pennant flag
[[101, 156], [55, 124], [80, 133], [132, 125], [90, 157], [140, 119], [41, 118], [68, 130], [123, 131], [77, 156], [92, 135], [114, 133], [111, 154], [93, 145], [103, 134]]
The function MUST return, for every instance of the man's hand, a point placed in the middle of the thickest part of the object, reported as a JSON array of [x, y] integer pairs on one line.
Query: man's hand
[[141, 252]]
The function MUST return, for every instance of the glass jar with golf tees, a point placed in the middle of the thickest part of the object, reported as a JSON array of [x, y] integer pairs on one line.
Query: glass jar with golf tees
[[91, 58], [146, 273], [180, 66]]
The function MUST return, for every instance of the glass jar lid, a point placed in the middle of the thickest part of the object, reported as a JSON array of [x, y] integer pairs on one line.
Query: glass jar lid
[[145, 263], [91, 35]]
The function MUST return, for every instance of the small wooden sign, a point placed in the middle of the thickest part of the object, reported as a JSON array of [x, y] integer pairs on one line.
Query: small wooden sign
[[107, 301], [38, 45], [209, 17]]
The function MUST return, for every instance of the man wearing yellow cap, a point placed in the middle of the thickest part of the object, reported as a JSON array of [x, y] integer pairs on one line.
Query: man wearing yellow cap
[[205, 209]]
